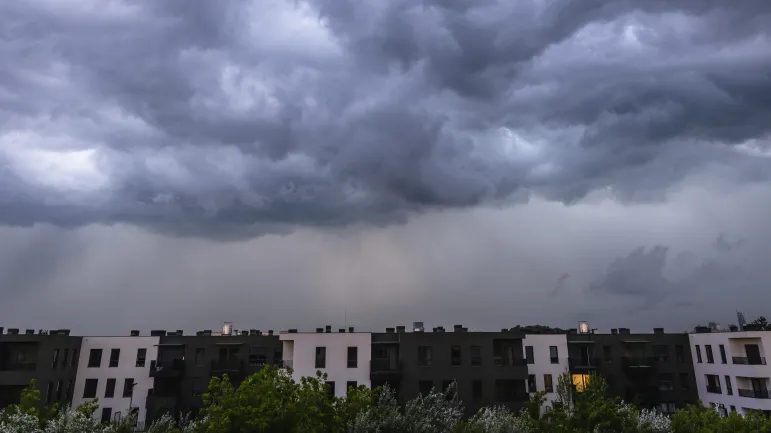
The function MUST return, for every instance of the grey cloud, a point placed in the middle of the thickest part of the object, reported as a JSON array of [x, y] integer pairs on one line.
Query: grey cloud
[[245, 118]]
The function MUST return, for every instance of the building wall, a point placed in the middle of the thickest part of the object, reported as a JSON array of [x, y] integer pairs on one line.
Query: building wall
[[299, 350], [542, 365], [126, 368], [738, 373]]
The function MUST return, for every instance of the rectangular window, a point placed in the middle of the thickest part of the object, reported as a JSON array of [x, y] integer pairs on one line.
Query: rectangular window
[[58, 390], [728, 388], [258, 356], [353, 357], [351, 385], [680, 353], [710, 356], [722, 355], [425, 386], [685, 382], [548, 386], [698, 354], [95, 358], [529, 356], [607, 354], [506, 390], [531, 387], [114, 357], [666, 382], [713, 383], [668, 408], [141, 357], [89, 390], [554, 355], [56, 358], [425, 356], [476, 355], [476, 390], [128, 387], [331, 388], [74, 357], [455, 356], [64, 357], [321, 357], [109, 390], [200, 355], [661, 352], [106, 415], [49, 392]]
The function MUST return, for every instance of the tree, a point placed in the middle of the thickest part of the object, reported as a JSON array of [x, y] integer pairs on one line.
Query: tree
[[759, 324]]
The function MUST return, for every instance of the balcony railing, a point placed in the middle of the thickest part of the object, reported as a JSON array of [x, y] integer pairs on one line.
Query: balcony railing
[[743, 360], [173, 368], [752, 393], [583, 362], [232, 367], [637, 361]]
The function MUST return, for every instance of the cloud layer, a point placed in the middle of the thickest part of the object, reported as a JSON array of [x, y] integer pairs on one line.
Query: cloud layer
[[245, 117]]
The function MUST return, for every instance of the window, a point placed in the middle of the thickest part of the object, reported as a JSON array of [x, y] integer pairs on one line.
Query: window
[[74, 357], [680, 353], [258, 356], [668, 408], [607, 354], [353, 357], [141, 357], [476, 390], [95, 358], [58, 390], [455, 356], [351, 385], [200, 354], [128, 387], [661, 352], [698, 354], [728, 388], [476, 355], [109, 390], [531, 387], [56, 358], [331, 388], [710, 356], [548, 386], [722, 355], [89, 391], [580, 381], [666, 382], [425, 386], [685, 383], [713, 383], [106, 415], [529, 357], [503, 352], [554, 355], [733, 408], [277, 355], [506, 390], [114, 357], [64, 357], [321, 357], [425, 356], [49, 392]]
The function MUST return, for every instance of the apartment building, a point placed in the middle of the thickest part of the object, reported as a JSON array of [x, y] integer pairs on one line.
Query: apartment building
[[185, 364], [344, 356], [731, 369], [488, 367], [116, 371], [547, 357], [652, 370], [48, 357]]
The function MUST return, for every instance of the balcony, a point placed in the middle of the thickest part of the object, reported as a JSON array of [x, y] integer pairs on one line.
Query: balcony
[[385, 369], [229, 367], [743, 360], [169, 369], [18, 366], [159, 404], [752, 393], [583, 363], [637, 361]]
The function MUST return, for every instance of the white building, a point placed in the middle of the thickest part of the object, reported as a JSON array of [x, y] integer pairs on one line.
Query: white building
[[343, 356], [731, 369], [116, 370], [547, 359]]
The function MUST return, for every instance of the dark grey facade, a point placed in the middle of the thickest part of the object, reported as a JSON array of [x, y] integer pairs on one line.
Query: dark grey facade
[[488, 367], [652, 370], [186, 363], [50, 359]]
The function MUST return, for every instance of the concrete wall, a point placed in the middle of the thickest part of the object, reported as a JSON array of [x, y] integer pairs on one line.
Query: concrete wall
[[300, 350], [126, 369], [542, 362], [739, 374]]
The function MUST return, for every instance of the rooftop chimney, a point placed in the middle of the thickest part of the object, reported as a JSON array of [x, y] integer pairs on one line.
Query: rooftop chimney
[[464, 329], [341, 330], [440, 329], [623, 330], [270, 332], [328, 329], [417, 326], [134, 333], [157, 333], [1, 330], [658, 330], [244, 332], [457, 328], [253, 332], [207, 332], [350, 329], [199, 333], [319, 330], [30, 332], [13, 331], [401, 328], [293, 331], [390, 330], [614, 331]]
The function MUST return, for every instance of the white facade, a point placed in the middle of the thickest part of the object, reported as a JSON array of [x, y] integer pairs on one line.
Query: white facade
[[542, 365], [128, 367], [300, 353], [743, 371]]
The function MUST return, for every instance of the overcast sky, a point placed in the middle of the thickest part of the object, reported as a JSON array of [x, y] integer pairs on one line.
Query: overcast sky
[[282, 163]]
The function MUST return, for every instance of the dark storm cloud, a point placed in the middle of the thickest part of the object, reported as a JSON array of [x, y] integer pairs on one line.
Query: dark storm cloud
[[235, 118]]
